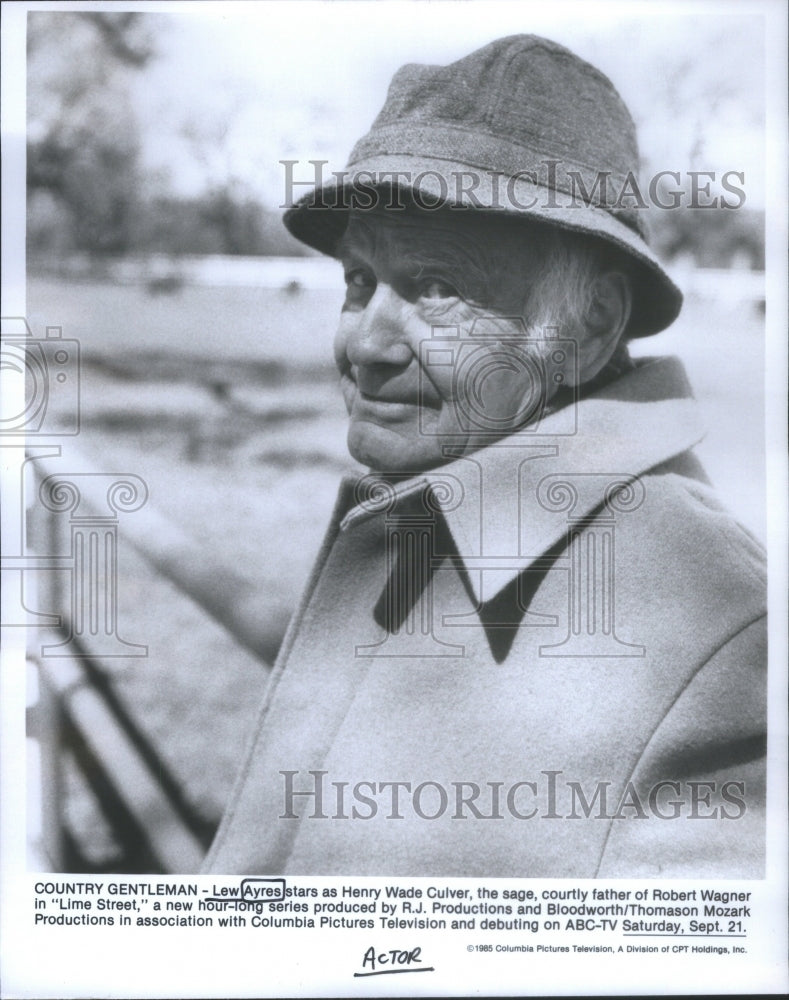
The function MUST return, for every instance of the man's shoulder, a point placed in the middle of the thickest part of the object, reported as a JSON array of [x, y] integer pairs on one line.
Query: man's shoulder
[[687, 552], [693, 522]]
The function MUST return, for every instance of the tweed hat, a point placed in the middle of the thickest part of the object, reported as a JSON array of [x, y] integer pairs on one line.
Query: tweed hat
[[521, 126]]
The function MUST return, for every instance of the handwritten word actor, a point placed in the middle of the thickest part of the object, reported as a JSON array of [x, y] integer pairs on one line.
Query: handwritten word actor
[[533, 643]]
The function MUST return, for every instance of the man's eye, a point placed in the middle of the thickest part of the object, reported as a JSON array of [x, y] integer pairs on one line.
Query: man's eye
[[358, 279], [435, 288]]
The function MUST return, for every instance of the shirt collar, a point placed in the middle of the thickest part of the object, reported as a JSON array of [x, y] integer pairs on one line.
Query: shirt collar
[[502, 504]]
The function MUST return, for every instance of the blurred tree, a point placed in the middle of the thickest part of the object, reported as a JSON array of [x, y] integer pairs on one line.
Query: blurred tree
[[236, 222], [711, 238], [83, 136], [219, 222]]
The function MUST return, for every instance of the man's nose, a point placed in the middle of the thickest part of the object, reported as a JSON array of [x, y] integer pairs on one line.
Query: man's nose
[[379, 336]]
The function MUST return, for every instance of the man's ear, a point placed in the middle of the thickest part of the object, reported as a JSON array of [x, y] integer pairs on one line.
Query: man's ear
[[606, 320]]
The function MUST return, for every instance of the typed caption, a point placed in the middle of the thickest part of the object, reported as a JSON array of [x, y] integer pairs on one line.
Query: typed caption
[[557, 917]]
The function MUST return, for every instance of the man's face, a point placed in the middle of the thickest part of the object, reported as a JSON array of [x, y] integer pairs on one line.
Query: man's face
[[413, 387]]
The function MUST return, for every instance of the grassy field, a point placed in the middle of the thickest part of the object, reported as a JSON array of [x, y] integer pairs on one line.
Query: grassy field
[[224, 401], [205, 322]]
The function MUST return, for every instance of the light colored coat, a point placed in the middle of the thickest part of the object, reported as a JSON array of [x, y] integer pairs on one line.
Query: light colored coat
[[591, 623]]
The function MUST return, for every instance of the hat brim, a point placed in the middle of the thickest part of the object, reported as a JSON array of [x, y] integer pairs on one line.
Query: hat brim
[[319, 218]]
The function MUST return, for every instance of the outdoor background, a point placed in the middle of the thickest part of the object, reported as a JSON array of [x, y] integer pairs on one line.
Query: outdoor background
[[154, 239]]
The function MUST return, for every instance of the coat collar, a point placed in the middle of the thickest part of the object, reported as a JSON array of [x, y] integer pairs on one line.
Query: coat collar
[[509, 503]]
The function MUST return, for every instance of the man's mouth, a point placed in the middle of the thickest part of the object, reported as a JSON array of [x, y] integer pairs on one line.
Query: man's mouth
[[387, 398], [381, 406], [373, 397], [405, 401]]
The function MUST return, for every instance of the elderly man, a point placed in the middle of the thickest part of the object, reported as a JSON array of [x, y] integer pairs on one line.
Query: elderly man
[[533, 643]]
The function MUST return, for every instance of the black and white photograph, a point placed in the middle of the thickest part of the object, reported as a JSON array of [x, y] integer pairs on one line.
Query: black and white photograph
[[394, 498]]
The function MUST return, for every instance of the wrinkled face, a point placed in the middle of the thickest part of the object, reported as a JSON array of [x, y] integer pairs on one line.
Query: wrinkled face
[[432, 349]]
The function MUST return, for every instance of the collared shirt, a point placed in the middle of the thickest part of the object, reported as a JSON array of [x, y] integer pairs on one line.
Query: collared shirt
[[542, 658]]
